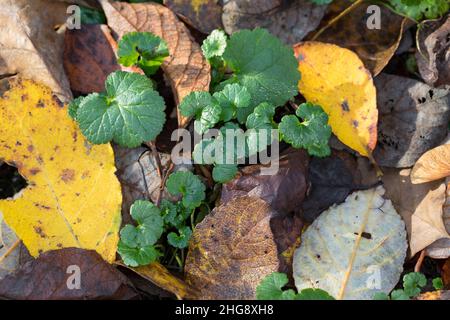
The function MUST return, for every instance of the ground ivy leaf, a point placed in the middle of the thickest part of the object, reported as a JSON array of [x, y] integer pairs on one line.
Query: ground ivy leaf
[[313, 294], [189, 186], [261, 117], [224, 172], [143, 49], [73, 107], [180, 240], [264, 65], [412, 282], [271, 288], [438, 284], [311, 134], [174, 214], [193, 104], [214, 45], [204, 152], [210, 115], [380, 296], [150, 222], [137, 256], [130, 112], [232, 98], [399, 294]]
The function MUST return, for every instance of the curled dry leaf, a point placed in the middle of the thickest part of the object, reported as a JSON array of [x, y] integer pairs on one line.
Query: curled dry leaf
[[343, 248], [335, 78], [64, 204], [420, 206], [433, 58], [284, 191], [291, 21], [203, 15], [47, 278], [186, 68], [413, 119], [432, 165], [232, 250], [29, 44]]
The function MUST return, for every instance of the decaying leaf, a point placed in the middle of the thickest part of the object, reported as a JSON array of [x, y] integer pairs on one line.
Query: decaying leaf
[[89, 58], [9, 249], [291, 21], [284, 191], [435, 295], [374, 46], [420, 206], [413, 119], [160, 276], [29, 44], [53, 277], [432, 165], [232, 250], [203, 15], [73, 198], [186, 68], [433, 58], [335, 78], [343, 248]]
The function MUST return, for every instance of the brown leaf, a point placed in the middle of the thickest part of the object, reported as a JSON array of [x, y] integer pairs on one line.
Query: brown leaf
[[419, 205], [88, 58], [291, 21], [47, 278], [160, 276], [413, 118], [433, 57], [375, 47], [29, 44], [232, 250], [284, 191], [435, 295], [186, 68], [432, 165], [446, 274], [203, 15]]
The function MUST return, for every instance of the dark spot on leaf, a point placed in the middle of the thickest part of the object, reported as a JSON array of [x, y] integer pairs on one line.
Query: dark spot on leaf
[[30, 148], [67, 175], [57, 101], [355, 123], [366, 235], [40, 104], [18, 143], [34, 171], [39, 231], [344, 106]]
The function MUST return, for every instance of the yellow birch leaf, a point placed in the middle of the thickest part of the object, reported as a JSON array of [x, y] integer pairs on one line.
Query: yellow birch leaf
[[336, 79], [73, 198]]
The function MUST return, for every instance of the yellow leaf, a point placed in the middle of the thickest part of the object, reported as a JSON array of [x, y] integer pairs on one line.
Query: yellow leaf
[[73, 198], [336, 79]]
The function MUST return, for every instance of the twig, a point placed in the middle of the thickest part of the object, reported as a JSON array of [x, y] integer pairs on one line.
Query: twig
[[10, 250], [420, 260], [155, 155]]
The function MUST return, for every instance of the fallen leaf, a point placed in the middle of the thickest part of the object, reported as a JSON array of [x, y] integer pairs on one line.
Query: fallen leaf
[[29, 44], [446, 274], [51, 276], [420, 206], [73, 198], [232, 250], [435, 295], [432, 57], [335, 78], [290, 21], [284, 191], [413, 118], [88, 58], [374, 46], [344, 249], [203, 15], [160, 276], [186, 68], [10, 246], [432, 165]]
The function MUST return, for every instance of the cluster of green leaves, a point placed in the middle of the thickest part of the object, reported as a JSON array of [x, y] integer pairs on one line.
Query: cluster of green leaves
[[271, 288], [142, 244], [253, 74], [412, 284], [130, 111], [421, 9]]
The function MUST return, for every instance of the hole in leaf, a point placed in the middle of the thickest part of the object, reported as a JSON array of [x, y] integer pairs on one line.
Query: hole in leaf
[[11, 182]]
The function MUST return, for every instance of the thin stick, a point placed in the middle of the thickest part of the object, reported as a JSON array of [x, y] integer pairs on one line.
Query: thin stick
[[10, 250], [420, 261], [155, 154]]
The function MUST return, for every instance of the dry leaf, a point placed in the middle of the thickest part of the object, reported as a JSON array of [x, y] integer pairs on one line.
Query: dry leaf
[[49, 276], [290, 21], [413, 119], [335, 78], [435, 295], [432, 165], [232, 250], [186, 68], [419, 205], [29, 44], [348, 243], [73, 198]]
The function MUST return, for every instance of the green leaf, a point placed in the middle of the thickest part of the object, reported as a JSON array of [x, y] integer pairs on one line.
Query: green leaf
[[174, 215], [321, 2], [264, 65], [142, 49], [421, 9], [271, 288], [130, 112], [189, 186], [204, 152], [193, 104], [73, 107], [214, 45], [438, 284], [233, 98], [381, 296], [180, 240], [412, 282], [209, 116], [224, 172], [311, 134], [91, 16], [313, 294], [399, 294], [137, 256]]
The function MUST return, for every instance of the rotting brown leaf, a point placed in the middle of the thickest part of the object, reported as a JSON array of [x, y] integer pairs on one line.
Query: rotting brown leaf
[[432, 165], [46, 278], [413, 118], [186, 68], [29, 44], [291, 21]]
